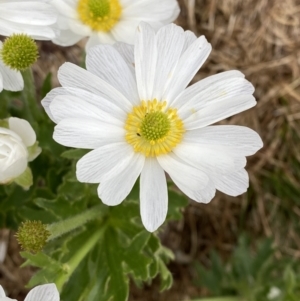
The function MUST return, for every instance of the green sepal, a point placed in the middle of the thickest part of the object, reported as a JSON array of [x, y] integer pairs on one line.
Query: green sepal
[[25, 180], [33, 151]]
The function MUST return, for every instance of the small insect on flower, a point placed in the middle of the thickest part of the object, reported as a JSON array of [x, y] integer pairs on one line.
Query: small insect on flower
[[108, 21], [143, 121]]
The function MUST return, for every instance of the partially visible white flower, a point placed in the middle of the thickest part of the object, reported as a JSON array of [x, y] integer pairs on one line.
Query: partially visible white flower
[[46, 292], [108, 21], [131, 107], [274, 293], [32, 17], [18, 146]]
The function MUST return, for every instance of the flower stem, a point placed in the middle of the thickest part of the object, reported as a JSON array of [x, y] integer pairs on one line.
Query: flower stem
[[62, 227], [72, 264], [33, 112]]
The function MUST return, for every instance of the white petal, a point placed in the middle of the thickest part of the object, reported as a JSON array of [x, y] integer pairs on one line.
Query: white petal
[[164, 11], [8, 28], [191, 93], [113, 191], [183, 172], [218, 111], [106, 62], [1, 82], [127, 53], [65, 8], [153, 195], [233, 184], [237, 139], [204, 195], [70, 106], [23, 128], [12, 80], [100, 38], [210, 159], [2, 292], [190, 38], [170, 41], [145, 53], [220, 91], [190, 62], [70, 75], [101, 103], [14, 170], [87, 133], [124, 30], [46, 292], [28, 12], [104, 162], [79, 28], [67, 38]]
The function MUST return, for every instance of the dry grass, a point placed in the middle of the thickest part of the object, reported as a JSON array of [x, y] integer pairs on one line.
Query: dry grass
[[261, 38]]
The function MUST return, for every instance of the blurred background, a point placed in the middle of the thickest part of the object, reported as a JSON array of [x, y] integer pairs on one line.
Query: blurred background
[[248, 246]]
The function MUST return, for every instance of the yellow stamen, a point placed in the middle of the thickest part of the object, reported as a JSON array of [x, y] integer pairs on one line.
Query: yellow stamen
[[152, 129], [99, 15]]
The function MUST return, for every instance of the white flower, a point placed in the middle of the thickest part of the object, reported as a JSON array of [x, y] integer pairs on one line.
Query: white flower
[[32, 17], [46, 292], [143, 121], [17, 147], [108, 21]]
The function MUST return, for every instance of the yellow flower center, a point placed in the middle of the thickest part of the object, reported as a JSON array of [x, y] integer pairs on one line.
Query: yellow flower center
[[100, 15], [152, 129]]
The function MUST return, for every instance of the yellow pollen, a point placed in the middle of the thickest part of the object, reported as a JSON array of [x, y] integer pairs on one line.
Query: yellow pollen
[[99, 15], [153, 129]]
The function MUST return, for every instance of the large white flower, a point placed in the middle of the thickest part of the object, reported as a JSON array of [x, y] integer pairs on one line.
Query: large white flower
[[32, 17], [108, 21], [46, 292], [17, 147], [132, 107]]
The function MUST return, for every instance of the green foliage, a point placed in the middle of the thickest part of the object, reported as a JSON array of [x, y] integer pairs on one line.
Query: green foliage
[[251, 276], [120, 248]]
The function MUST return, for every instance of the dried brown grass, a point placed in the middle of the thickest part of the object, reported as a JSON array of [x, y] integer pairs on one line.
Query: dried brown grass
[[261, 38]]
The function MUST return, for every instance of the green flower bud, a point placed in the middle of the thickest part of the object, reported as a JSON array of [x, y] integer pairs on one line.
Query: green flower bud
[[32, 236], [19, 52]]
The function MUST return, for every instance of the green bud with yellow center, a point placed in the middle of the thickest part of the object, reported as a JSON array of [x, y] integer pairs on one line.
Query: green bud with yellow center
[[32, 236], [155, 126], [19, 52]]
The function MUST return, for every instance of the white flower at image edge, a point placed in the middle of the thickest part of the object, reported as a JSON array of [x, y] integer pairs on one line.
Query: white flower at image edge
[[46, 292], [35, 18], [108, 21], [10, 79], [14, 143], [143, 121]]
